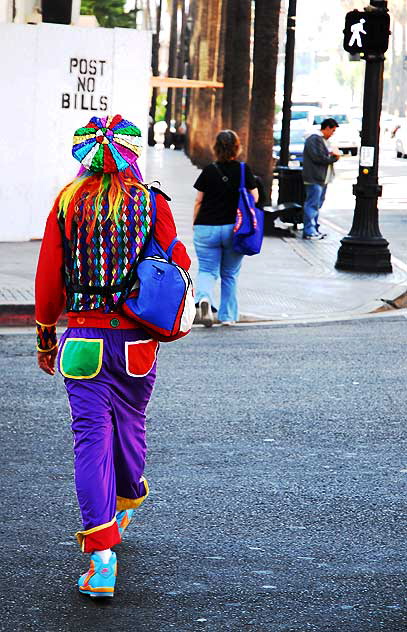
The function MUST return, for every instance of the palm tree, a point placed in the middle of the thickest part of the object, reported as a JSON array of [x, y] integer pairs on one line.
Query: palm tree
[[180, 65], [203, 117], [398, 10], [266, 30], [172, 61], [236, 72]]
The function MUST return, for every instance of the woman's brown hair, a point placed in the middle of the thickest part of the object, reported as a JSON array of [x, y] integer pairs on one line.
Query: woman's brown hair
[[227, 145]]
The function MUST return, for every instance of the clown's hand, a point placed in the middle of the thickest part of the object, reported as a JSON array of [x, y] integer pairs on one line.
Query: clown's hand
[[46, 360]]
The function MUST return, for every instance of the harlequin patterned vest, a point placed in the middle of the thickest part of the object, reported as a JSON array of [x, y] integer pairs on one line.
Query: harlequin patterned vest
[[97, 273]]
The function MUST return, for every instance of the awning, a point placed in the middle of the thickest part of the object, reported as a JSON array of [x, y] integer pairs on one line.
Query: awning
[[175, 82]]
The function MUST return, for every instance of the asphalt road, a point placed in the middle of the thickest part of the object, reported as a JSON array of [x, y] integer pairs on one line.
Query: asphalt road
[[278, 472]]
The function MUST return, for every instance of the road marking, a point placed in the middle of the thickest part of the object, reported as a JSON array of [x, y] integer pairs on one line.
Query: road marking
[[401, 265]]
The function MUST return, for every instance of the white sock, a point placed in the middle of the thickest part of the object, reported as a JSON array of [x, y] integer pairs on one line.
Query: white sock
[[105, 555]]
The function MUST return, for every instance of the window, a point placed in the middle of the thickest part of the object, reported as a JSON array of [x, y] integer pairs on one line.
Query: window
[[300, 114], [341, 119]]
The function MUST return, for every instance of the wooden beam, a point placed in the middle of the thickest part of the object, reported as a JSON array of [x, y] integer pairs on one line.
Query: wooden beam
[[175, 82]]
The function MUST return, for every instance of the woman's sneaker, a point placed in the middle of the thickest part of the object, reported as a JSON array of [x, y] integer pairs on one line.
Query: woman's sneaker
[[197, 319], [100, 579], [313, 237], [206, 312], [123, 519]]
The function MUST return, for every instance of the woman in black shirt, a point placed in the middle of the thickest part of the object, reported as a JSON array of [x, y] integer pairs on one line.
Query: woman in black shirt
[[214, 217]]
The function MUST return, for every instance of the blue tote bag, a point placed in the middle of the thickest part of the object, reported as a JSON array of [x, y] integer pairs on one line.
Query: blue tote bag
[[249, 226]]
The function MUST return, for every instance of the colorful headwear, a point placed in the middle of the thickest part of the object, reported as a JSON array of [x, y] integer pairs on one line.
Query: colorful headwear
[[107, 144]]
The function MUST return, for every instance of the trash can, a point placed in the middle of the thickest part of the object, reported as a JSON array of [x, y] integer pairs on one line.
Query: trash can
[[291, 189]]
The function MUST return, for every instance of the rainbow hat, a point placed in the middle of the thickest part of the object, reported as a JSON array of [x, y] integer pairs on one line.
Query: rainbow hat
[[107, 144]]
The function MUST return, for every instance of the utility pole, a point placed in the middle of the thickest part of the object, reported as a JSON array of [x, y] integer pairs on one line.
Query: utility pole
[[365, 249], [290, 184], [155, 57]]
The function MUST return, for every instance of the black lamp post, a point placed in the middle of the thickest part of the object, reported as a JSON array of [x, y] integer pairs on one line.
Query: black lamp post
[[365, 249], [290, 185]]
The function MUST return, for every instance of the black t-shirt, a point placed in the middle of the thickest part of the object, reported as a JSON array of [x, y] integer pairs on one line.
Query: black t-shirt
[[221, 198]]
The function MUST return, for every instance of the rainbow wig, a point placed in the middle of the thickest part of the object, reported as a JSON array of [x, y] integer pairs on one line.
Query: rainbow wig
[[107, 149], [94, 195]]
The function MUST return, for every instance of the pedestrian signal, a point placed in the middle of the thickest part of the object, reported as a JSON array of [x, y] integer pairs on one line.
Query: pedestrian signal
[[366, 32]]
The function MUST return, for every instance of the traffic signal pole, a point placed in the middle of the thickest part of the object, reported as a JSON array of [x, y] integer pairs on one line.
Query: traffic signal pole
[[365, 249]]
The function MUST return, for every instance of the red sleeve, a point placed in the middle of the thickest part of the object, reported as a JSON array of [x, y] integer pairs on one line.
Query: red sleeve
[[165, 231], [49, 283]]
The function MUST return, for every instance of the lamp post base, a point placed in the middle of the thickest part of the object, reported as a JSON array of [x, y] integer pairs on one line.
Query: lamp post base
[[364, 256]]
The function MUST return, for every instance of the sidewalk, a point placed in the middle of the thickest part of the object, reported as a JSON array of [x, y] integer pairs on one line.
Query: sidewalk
[[291, 279]]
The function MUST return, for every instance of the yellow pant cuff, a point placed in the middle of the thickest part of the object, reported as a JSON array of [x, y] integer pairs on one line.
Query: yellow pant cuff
[[131, 503]]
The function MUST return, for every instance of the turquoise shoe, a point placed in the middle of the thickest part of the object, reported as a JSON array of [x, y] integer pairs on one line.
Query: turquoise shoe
[[100, 579], [123, 519]]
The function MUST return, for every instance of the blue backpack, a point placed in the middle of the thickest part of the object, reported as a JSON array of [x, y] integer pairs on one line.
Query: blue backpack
[[249, 226], [162, 299]]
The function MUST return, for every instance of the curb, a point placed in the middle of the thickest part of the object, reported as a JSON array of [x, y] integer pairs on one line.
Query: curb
[[21, 316], [24, 315], [21, 327], [17, 315]]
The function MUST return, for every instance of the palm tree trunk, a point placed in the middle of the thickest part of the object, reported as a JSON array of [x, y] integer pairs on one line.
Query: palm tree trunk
[[402, 103], [191, 60], [236, 76], [179, 92], [227, 105], [265, 57], [172, 61], [202, 112]]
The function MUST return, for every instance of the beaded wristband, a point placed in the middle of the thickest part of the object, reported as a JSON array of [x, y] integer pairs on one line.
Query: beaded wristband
[[46, 337]]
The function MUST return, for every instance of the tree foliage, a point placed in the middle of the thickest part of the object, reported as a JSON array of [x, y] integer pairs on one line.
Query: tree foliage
[[109, 13]]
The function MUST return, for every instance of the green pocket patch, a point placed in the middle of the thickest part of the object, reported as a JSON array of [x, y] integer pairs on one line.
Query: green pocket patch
[[81, 358]]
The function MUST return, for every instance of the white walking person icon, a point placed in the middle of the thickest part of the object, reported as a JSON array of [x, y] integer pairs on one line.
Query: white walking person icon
[[357, 31]]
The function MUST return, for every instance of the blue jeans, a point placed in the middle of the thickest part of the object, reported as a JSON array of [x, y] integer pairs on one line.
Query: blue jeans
[[213, 247], [315, 196]]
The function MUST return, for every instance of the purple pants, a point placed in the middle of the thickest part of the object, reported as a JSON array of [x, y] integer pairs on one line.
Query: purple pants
[[109, 377]]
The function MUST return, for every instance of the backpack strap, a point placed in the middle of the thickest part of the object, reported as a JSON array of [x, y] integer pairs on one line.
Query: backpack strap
[[222, 174], [157, 190], [152, 238], [171, 247], [153, 209]]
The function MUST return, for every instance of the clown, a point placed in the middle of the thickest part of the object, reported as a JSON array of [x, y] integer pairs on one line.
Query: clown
[[93, 237]]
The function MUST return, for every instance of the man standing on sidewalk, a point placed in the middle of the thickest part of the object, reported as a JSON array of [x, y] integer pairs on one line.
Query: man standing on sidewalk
[[317, 173]]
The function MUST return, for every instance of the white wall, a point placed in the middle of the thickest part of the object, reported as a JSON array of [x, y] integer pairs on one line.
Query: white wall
[[6, 12], [43, 103], [76, 11], [27, 11]]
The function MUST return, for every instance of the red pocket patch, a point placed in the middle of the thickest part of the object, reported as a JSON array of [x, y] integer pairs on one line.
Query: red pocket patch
[[140, 357]]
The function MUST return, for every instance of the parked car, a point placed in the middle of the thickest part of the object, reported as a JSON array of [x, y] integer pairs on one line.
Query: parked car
[[296, 147], [347, 136], [301, 115]]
